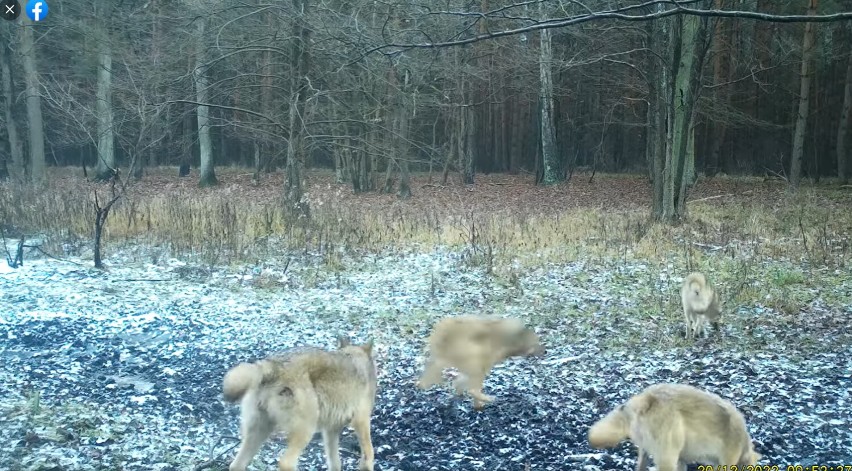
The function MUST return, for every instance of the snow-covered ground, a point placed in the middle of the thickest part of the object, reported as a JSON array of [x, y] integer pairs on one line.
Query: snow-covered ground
[[122, 369]]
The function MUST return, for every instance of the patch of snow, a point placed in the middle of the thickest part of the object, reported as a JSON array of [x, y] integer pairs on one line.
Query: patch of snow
[[145, 360]]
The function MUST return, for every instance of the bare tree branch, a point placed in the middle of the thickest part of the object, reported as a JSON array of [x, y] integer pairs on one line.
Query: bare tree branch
[[619, 15]]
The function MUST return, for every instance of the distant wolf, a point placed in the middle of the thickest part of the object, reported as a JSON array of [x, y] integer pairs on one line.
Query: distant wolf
[[700, 303], [677, 424], [301, 391], [474, 345]]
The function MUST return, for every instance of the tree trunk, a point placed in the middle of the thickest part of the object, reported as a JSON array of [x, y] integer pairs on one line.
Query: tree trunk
[[467, 135], [503, 134], [105, 166], [551, 172], [681, 93], [804, 101], [16, 167], [187, 142], [338, 144], [293, 191], [843, 127], [255, 176], [151, 160], [455, 114], [293, 185], [339, 151], [207, 176], [402, 155], [685, 95], [364, 167], [339, 166], [389, 141], [689, 173], [35, 122], [518, 143], [402, 147], [391, 162], [267, 148], [137, 166], [721, 71], [659, 90]]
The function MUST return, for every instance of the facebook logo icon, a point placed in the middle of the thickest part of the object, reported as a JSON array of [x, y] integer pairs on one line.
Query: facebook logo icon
[[36, 10]]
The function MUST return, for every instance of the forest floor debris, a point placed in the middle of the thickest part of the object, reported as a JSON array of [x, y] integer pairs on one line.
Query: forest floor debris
[[498, 218], [122, 369]]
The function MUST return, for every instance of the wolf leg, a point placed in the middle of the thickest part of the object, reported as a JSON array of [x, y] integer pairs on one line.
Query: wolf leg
[[460, 384], [297, 440], [331, 443], [700, 326], [687, 322], [642, 460], [475, 390], [362, 431], [431, 375], [695, 324], [668, 462], [256, 428]]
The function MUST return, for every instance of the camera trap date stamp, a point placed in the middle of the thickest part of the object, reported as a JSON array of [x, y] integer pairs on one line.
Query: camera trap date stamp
[[767, 467]]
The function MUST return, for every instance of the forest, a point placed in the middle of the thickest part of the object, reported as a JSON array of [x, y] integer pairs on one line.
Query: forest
[[187, 184]]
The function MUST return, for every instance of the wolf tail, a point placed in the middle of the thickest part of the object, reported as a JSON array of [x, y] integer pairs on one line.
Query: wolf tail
[[700, 294], [239, 379], [609, 431]]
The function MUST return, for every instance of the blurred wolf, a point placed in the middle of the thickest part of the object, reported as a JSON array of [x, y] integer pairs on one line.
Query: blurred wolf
[[302, 391], [677, 424], [474, 345], [700, 303]]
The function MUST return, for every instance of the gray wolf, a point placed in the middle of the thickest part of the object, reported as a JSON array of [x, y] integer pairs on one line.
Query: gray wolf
[[677, 424], [474, 345], [700, 303], [303, 391]]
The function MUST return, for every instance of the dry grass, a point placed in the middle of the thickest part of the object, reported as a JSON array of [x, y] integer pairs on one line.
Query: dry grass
[[500, 219]]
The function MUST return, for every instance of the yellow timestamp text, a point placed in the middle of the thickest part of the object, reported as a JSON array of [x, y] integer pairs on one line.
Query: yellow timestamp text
[[768, 467]]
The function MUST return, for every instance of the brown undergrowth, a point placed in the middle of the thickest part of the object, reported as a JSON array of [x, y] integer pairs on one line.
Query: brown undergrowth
[[499, 218]]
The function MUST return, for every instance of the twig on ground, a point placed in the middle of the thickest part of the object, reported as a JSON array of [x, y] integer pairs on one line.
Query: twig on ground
[[38, 247], [18, 261], [559, 361], [711, 198], [708, 246], [213, 459]]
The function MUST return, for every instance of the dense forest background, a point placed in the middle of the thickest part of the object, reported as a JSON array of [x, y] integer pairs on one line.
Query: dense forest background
[[377, 89]]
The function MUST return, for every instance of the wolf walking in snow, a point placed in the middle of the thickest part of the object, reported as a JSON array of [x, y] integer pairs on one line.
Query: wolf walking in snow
[[300, 392], [700, 303], [677, 424], [474, 345]]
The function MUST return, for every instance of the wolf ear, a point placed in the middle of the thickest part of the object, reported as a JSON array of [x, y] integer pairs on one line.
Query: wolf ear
[[368, 347], [645, 403], [343, 341]]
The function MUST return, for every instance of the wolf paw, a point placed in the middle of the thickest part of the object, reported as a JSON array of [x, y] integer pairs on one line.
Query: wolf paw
[[482, 401]]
